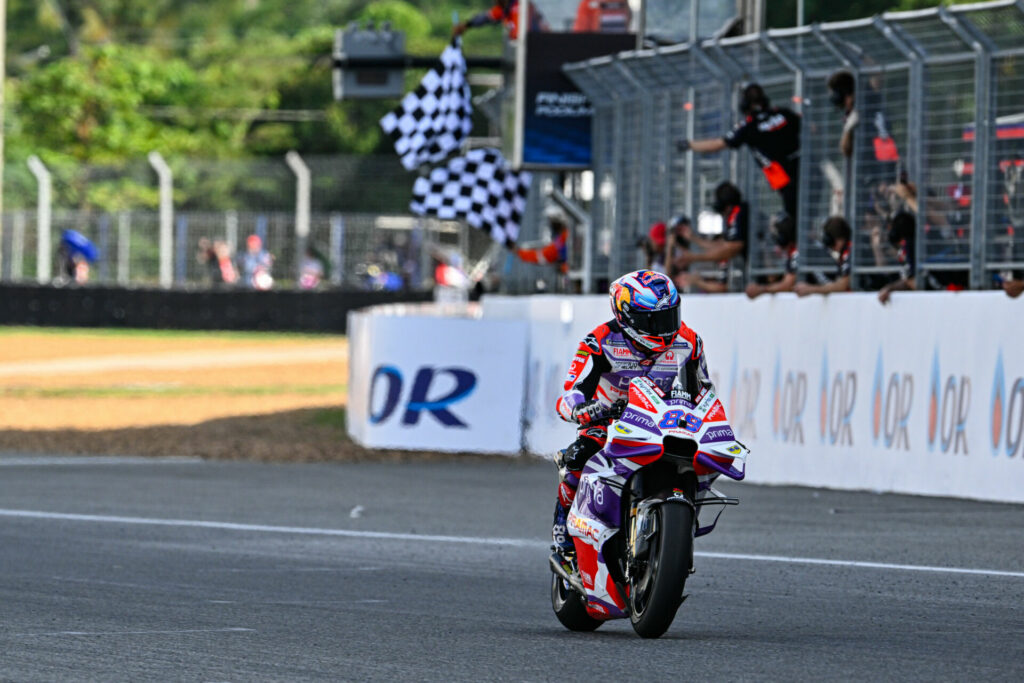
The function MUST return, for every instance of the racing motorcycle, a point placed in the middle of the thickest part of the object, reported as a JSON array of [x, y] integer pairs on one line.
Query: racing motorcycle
[[640, 503]]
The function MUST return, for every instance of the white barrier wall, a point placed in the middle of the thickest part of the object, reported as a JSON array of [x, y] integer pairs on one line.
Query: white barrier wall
[[925, 395], [434, 383]]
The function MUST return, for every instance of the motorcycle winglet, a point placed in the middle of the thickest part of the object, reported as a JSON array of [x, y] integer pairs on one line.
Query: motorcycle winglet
[[710, 463]]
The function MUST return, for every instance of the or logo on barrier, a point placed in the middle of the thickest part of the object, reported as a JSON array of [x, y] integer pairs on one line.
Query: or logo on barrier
[[743, 395], [893, 399], [838, 398], [948, 406], [388, 379], [789, 398], [1010, 417]]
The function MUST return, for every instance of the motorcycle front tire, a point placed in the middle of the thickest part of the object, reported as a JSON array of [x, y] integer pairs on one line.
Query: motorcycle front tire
[[671, 560], [570, 608]]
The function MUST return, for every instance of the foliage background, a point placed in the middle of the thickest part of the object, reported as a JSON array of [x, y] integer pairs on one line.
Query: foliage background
[[94, 85]]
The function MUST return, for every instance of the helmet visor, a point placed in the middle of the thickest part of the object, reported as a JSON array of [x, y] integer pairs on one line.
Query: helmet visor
[[656, 323]]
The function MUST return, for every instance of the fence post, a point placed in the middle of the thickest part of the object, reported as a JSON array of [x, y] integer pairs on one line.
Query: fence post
[[181, 249], [231, 231], [984, 124], [124, 236], [915, 135], [104, 240], [44, 259], [18, 246], [337, 248], [166, 179], [303, 191], [262, 222]]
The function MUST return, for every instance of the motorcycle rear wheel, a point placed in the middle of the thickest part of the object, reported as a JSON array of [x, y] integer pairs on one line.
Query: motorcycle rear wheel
[[570, 608], [656, 595]]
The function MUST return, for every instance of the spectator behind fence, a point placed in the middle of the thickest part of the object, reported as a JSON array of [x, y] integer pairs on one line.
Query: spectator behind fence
[[74, 254], [555, 252], [664, 242], [902, 227], [721, 248], [836, 238], [216, 257], [256, 265], [783, 234], [773, 135], [893, 219], [311, 268], [602, 16], [881, 156]]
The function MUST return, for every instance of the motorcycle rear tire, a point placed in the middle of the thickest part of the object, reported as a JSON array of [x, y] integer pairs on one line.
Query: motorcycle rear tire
[[671, 566], [569, 607]]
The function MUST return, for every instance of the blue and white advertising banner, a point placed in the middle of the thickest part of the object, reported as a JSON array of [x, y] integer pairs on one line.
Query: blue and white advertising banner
[[924, 395], [434, 383]]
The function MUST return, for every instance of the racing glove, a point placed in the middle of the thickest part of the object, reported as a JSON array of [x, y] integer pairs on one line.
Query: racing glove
[[588, 413]]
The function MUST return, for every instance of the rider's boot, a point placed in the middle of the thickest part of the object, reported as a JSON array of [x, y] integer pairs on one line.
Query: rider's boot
[[561, 541], [567, 483]]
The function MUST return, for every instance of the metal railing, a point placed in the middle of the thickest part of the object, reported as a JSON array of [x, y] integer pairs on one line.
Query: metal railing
[[148, 221], [950, 81]]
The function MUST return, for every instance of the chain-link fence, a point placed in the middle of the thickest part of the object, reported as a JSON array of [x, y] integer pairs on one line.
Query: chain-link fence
[[361, 234], [947, 84]]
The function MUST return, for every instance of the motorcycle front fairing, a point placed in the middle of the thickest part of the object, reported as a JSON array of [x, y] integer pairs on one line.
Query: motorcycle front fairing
[[650, 427]]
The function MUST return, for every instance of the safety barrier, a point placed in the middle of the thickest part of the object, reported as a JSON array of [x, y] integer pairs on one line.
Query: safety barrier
[[948, 80], [923, 396], [188, 309]]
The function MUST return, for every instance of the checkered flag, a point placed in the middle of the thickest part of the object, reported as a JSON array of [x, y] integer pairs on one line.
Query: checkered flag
[[480, 188], [433, 119]]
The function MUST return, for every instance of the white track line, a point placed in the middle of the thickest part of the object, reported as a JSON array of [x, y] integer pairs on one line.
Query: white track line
[[262, 528], [55, 460], [506, 542], [136, 633]]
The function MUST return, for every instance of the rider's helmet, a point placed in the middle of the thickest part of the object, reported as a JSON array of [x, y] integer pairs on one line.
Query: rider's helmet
[[646, 306]]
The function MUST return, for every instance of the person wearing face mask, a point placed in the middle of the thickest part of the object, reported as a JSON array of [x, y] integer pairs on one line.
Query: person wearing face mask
[[866, 140], [836, 238], [901, 235], [882, 148], [773, 136], [783, 234], [721, 249]]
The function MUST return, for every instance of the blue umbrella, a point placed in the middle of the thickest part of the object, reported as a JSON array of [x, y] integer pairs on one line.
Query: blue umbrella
[[77, 243]]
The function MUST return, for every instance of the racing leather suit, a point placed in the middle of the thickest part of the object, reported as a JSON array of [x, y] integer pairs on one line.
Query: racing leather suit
[[604, 363]]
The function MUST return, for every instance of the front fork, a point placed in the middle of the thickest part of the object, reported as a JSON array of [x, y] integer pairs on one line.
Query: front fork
[[642, 523]]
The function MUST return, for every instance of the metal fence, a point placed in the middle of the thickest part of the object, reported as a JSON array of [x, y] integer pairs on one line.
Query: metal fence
[[360, 228], [950, 81]]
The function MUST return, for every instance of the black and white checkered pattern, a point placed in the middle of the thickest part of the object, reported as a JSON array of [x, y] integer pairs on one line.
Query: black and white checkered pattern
[[433, 119], [480, 188]]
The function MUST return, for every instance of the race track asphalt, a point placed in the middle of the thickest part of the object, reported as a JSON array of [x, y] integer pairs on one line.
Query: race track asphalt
[[97, 584]]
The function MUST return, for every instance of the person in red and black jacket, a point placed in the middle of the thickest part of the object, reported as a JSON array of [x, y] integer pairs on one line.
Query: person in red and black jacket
[[502, 12], [773, 136], [837, 239]]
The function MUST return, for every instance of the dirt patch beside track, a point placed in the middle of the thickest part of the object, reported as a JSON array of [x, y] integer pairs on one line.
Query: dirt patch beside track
[[266, 397]]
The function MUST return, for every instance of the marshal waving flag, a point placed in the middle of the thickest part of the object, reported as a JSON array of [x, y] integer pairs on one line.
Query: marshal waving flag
[[434, 119], [479, 188]]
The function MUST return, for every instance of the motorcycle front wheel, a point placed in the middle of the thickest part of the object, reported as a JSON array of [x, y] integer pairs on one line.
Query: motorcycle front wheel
[[569, 607], [656, 593]]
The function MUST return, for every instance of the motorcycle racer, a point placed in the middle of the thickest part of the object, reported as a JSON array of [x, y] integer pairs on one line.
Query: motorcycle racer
[[646, 337]]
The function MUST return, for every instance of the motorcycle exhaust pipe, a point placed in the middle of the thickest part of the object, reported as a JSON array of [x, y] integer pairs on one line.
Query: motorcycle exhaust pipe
[[574, 581]]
